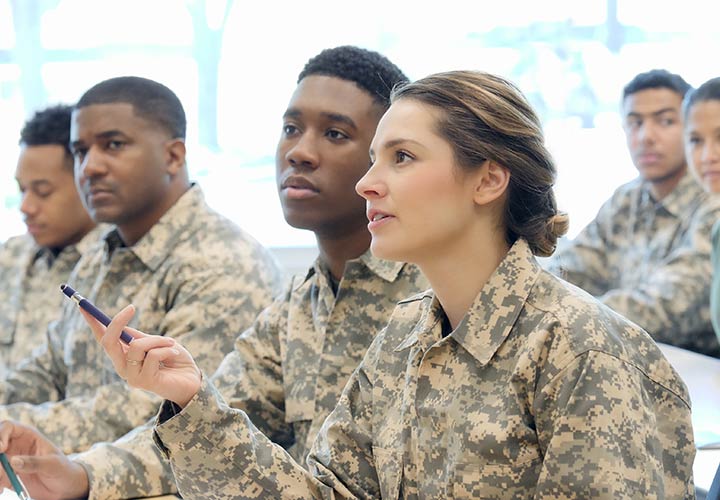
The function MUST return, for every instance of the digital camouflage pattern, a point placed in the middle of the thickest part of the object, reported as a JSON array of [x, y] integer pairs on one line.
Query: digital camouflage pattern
[[287, 371], [28, 301], [540, 392], [194, 276], [650, 261]]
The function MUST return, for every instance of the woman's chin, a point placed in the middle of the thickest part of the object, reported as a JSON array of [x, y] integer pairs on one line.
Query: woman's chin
[[382, 250]]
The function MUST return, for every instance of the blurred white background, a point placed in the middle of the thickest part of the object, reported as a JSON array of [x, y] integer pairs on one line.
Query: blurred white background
[[234, 66]]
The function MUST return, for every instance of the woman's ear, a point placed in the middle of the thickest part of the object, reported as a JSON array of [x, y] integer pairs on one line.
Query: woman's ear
[[491, 182], [175, 156]]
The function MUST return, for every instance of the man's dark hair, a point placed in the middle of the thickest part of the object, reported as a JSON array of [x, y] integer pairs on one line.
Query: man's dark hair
[[150, 100], [708, 91], [657, 79], [369, 70], [49, 126]]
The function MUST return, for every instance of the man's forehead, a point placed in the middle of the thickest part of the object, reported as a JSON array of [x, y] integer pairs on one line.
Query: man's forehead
[[653, 101], [101, 118], [331, 95]]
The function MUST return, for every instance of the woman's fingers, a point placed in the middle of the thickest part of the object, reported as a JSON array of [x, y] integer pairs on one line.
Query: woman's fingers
[[137, 354], [120, 321], [7, 428], [155, 361]]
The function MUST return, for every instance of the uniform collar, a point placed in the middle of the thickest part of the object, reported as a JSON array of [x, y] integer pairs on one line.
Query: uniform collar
[[687, 192], [72, 251], [173, 227], [384, 269], [493, 313]]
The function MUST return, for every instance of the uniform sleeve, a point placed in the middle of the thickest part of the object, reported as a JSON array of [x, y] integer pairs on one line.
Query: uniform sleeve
[[250, 376], [673, 302], [39, 378], [130, 467], [216, 452], [607, 431], [584, 261], [205, 311]]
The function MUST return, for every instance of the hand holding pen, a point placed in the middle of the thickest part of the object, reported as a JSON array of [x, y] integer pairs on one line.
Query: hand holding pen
[[14, 480], [151, 362], [46, 472]]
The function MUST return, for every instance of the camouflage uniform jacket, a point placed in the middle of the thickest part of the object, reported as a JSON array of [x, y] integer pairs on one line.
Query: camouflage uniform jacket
[[540, 392], [650, 261], [287, 371], [194, 276], [29, 299]]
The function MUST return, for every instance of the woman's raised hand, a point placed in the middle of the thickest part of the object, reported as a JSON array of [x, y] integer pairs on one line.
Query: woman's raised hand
[[151, 362]]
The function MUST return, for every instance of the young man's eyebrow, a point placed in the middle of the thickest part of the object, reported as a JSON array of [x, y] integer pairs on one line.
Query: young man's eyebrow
[[339, 117], [330, 116], [658, 112], [292, 113]]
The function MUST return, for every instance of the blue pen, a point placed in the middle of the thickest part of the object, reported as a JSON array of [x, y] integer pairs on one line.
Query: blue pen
[[96, 313], [14, 480]]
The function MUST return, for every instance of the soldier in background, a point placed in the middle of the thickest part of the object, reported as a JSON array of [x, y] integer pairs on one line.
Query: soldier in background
[[647, 252], [287, 371], [501, 382], [191, 273], [59, 232]]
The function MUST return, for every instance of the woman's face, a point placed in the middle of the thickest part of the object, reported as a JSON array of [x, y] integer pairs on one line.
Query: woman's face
[[702, 143], [418, 202]]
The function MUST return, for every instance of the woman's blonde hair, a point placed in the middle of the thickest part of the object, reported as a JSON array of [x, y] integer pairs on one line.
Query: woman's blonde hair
[[485, 117]]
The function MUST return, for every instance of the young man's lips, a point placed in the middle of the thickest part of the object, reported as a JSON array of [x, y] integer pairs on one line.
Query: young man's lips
[[298, 193], [297, 187], [648, 158]]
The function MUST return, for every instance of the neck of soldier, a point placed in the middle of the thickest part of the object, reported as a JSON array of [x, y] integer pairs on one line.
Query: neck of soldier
[[132, 231], [459, 269], [662, 187], [336, 249]]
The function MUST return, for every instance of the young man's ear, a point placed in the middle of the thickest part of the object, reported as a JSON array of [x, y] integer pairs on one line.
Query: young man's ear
[[175, 156], [491, 182]]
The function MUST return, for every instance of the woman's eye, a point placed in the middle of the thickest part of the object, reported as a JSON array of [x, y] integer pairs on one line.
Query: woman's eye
[[402, 156]]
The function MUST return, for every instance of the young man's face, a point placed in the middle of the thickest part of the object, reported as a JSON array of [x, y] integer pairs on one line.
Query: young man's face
[[50, 204], [323, 152], [123, 165], [652, 121]]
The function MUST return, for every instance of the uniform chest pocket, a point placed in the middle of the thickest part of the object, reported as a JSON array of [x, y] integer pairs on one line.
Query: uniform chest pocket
[[388, 464], [496, 481]]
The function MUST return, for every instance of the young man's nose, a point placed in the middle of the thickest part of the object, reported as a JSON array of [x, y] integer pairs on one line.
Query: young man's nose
[[304, 152], [28, 204]]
